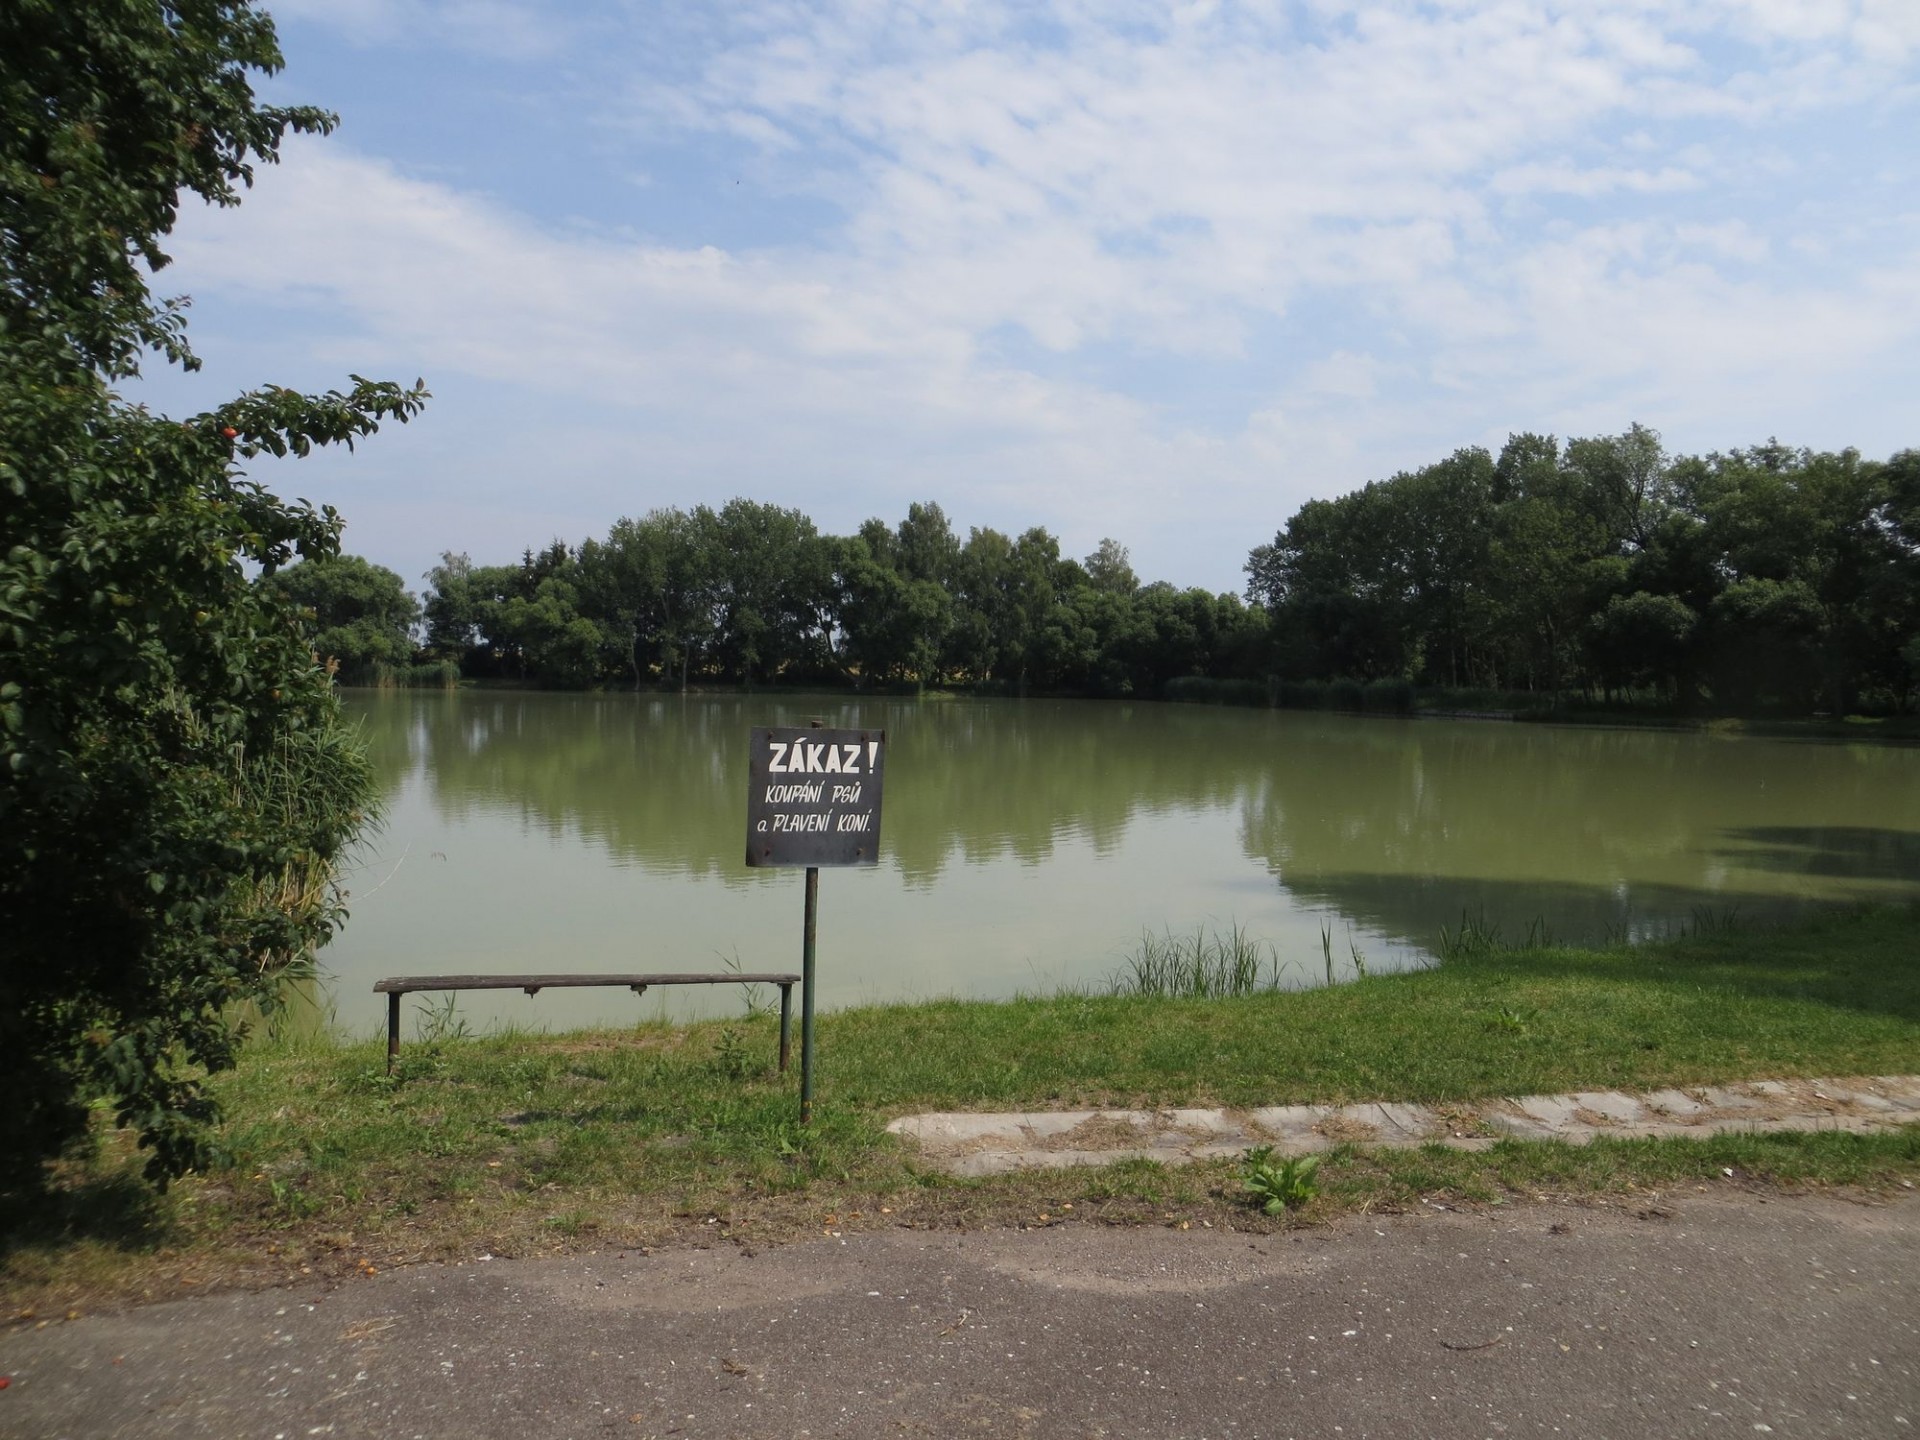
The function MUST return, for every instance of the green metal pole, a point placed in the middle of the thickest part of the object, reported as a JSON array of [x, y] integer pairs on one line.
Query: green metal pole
[[806, 996]]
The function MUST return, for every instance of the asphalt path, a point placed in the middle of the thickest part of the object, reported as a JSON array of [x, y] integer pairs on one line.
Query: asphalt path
[[1716, 1316]]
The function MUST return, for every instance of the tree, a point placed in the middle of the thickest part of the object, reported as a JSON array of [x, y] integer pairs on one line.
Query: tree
[[452, 607], [1643, 639], [1766, 636], [1109, 568], [176, 780], [925, 547], [623, 584], [1625, 479], [772, 578], [360, 614], [895, 625]]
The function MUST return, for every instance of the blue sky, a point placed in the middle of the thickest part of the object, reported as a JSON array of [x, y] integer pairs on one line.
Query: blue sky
[[1158, 272]]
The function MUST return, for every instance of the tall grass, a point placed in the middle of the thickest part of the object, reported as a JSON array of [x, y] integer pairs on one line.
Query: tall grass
[[1476, 936], [1208, 964], [1213, 964]]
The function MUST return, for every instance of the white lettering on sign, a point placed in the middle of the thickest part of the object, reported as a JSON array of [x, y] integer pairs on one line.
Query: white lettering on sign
[[797, 794], [859, 820], [801, 758], [801, 824]]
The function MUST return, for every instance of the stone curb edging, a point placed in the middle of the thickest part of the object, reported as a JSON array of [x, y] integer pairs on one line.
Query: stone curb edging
[[988, 1144]]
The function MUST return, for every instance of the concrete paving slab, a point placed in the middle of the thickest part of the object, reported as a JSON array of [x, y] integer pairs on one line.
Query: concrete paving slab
[[1277, 1121], [968, 1144], [1203, 1122], [1556, 1112], [1674, 1102], [1902, 1090], [1410, 1122], [1041, 1126], [1610, 1105], [1727, 1097], [1509, 1119], [1866, 1100]]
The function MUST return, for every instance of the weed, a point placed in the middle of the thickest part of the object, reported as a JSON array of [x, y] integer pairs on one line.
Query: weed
[[1279, 1185], [1474, 937], [290, 1200], [1507, 1018], [571, 1223], [438, 1022], [730, 1055], [1132, 1179], [756, 999]]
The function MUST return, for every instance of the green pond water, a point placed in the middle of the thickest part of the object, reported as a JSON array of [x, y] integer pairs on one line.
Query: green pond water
[[1028, 844]]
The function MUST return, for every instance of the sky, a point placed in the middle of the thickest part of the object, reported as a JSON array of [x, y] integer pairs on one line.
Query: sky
[[1154, 272]]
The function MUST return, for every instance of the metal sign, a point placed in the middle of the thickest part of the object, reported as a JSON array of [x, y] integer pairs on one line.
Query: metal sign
[[813, 796]]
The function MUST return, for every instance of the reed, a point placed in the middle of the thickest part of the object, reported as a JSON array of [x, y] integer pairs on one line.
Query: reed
[[1474, 936], [312, 784], [1209, 964]]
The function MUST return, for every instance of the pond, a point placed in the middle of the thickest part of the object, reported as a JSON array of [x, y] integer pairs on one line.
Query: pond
[[1028, 845]]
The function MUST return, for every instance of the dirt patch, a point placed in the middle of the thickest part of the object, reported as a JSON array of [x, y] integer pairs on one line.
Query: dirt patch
[[1345, 1130], [1460, 1122], [1101, 1132]]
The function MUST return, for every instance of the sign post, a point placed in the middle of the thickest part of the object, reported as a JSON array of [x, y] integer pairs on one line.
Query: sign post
[[813, 799]]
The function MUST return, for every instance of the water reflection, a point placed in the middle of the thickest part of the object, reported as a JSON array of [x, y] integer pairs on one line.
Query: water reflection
[[1850, 851], [1591, 834], [1027, 844], [661, 782]]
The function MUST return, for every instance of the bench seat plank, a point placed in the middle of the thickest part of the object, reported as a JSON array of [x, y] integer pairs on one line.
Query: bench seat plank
[[407, 984], [395, 987]]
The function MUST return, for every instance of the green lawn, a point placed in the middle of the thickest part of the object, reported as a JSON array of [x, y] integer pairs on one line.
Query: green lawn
[[527, 1142]]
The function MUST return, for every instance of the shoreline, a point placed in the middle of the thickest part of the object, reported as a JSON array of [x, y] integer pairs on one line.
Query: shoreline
[[653, 1134]]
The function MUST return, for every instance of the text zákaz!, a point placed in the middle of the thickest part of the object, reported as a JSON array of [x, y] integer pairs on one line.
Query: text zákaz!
[[813, 796]]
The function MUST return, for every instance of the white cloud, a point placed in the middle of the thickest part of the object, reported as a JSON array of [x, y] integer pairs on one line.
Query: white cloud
[[1344, 374], [1730, 239], [1564, 178], [1387, 231]]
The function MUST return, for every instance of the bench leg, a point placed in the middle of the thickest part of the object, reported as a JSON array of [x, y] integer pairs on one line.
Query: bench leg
[[393, 1029], [786, 1024]]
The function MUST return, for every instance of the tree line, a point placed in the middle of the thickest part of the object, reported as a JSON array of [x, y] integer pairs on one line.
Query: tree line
[[1602, 570], [752, 593], [1768, 579]]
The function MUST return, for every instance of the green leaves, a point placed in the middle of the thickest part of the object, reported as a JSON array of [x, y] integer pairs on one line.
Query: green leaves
[[1283, 1184], [178, 782]]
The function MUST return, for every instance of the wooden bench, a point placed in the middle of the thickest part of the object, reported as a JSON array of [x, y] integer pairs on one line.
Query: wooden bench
[[400, 985]]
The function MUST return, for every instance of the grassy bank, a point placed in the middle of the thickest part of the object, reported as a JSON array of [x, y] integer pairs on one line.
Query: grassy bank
[[524, 1143]]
